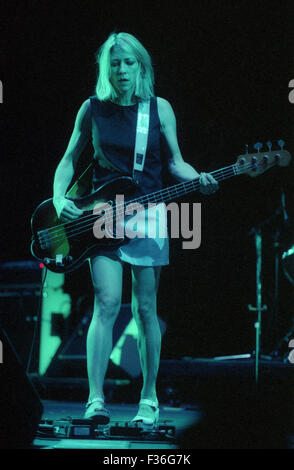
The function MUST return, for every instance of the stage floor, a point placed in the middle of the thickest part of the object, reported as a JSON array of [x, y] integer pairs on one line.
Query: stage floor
[[235, 407], [181, 418]]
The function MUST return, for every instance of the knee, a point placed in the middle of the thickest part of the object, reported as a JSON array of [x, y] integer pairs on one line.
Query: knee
[[144, 311], [106, 307]]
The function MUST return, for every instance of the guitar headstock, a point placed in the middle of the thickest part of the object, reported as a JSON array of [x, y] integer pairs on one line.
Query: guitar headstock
[[255, 164]]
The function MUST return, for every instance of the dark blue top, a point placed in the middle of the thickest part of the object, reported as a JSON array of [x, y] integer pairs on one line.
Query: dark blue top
[[113, 137]]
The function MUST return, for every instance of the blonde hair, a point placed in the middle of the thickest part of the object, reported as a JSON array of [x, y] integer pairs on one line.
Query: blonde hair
[[144, 88]]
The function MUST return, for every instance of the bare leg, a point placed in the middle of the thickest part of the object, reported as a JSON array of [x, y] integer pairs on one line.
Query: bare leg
[[107, 282], [144, 308]]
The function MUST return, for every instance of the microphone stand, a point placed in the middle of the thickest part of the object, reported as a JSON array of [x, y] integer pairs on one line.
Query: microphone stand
[[277, 250], [257, 232], [259, 307]]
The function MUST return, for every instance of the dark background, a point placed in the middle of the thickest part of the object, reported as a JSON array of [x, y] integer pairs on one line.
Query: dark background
[[225, 67]]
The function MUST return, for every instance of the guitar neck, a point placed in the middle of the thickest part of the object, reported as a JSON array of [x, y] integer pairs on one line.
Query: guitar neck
[[187, 187]]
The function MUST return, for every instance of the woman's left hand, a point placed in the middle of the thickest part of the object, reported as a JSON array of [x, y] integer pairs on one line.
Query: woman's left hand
[[208, 185]]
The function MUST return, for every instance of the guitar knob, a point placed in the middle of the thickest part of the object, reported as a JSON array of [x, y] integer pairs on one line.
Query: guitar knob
[[281, 143], [258, 146], [277, 158], [265, 160], [254, 163], [269, 145]]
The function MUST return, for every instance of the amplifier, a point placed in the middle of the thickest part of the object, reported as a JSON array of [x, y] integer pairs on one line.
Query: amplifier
[[19, 276], [20, 288]]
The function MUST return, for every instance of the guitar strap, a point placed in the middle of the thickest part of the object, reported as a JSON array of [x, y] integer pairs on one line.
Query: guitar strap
[[83, 184], [141, 139]]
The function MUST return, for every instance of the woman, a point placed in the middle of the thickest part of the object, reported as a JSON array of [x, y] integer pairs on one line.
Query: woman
[[109, 119]]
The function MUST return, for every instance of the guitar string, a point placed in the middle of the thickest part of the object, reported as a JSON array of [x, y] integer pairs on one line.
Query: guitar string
[[190, 184], [148, 196], [67, 224], [76, 230], [76, 222]]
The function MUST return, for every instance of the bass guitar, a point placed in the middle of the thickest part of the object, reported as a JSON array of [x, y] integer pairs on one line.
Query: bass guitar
[[64, 246]]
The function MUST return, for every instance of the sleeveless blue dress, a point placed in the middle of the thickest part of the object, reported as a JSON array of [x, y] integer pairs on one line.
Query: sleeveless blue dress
[[113, 139]]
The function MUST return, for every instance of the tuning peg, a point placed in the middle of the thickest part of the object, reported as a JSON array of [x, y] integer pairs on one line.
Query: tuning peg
[[258, 146], [281, 143], [269, 145], [246, 148]]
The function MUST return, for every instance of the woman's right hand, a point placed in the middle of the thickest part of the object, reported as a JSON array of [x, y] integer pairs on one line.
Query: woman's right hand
[[66, 210]]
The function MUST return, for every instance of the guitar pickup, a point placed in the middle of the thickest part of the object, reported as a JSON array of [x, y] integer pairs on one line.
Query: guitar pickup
[[44, 239]]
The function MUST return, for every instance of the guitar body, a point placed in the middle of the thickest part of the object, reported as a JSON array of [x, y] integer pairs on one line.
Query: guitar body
[[63, 246]]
